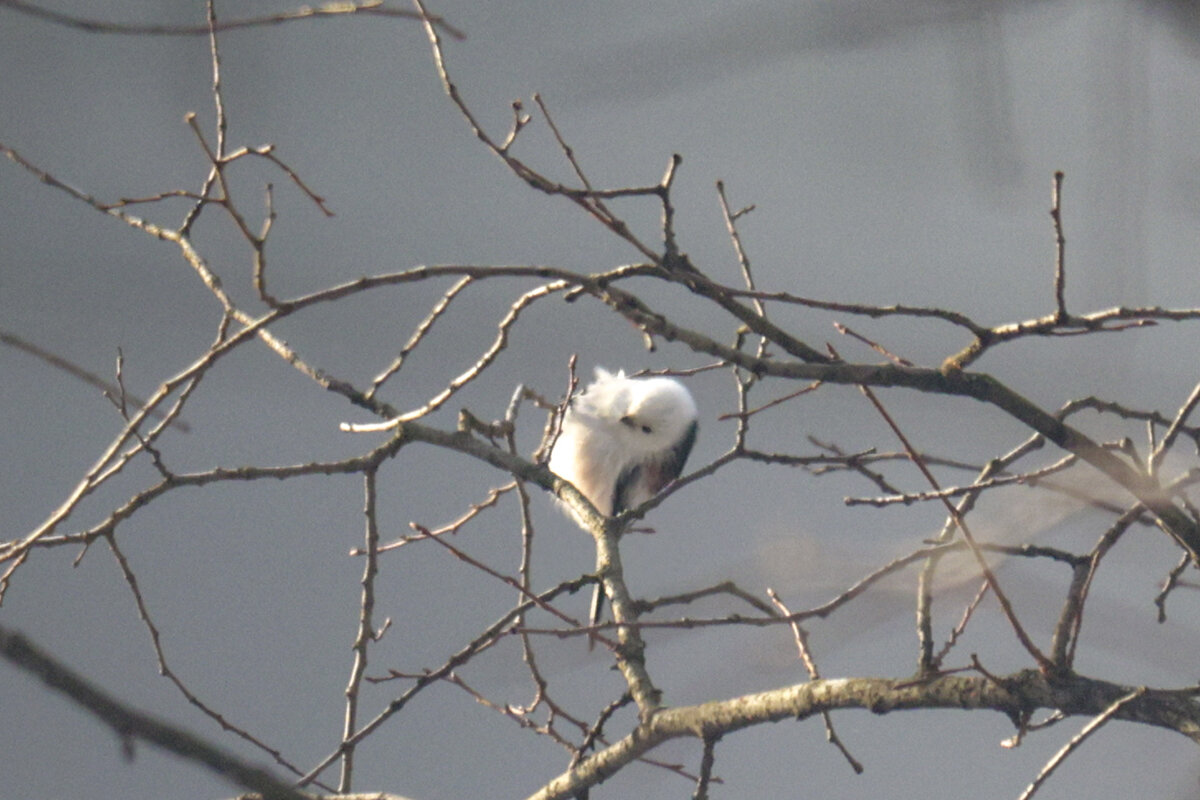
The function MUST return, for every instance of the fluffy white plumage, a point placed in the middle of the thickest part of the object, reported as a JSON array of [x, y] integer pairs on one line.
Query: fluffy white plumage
[[623, 440]]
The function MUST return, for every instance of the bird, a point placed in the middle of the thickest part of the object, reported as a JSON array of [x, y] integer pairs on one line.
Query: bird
[[623, 440]]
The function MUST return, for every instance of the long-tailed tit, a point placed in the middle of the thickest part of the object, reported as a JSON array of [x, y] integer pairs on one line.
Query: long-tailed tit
[[622, 441]]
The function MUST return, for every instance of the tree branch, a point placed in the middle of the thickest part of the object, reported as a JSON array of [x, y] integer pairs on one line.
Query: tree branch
[[130, 725], [1013, 695]]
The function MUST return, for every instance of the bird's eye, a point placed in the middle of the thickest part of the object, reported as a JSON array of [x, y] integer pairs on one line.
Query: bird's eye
[[629, 422]]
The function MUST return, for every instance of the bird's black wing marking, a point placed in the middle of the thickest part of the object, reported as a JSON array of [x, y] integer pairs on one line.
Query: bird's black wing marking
[[660, 474], [671, 466], [628, 477], [597, 610]]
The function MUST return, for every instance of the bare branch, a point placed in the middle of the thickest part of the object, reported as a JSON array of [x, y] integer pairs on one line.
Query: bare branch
[[366, 631], [1079, 739], [90, 378], [130, 725], [1005, 604], [1060, 246], [326, 11], [800, 636], [1173, 431], [1008, 694], [488, 637]]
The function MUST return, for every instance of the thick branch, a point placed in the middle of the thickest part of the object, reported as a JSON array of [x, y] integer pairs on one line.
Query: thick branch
[[130, 725], [1014, 695]]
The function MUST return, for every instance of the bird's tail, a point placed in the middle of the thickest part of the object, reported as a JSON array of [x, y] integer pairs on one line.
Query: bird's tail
[[596, 612]]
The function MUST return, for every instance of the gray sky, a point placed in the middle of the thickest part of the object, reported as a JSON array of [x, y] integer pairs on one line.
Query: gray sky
[[897, 152]]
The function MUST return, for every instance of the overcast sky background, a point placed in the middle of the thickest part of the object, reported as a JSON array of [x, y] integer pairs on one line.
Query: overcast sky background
[[896, 152]]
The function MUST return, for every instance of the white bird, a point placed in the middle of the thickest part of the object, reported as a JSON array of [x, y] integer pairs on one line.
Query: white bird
[[622, 441]]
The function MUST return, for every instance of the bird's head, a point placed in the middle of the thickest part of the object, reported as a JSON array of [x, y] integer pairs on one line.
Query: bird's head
[[652, 415]]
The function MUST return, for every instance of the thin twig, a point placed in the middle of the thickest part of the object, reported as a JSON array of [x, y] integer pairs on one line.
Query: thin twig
[[493, 498], [871, 343], [821, 611], [1071, 619], [1060, 246], [509, 712], [366, 629], [739, 249], [461, 555], [1159, 453], [1024, 479], [167, 672], [504, 328], [588, 199], [485, 640], [707, 758], [1043, 662], [1079, 739], [686, 598], [1172, 580], [800, 636], [435, 313], [744, 414], [957, 632]]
